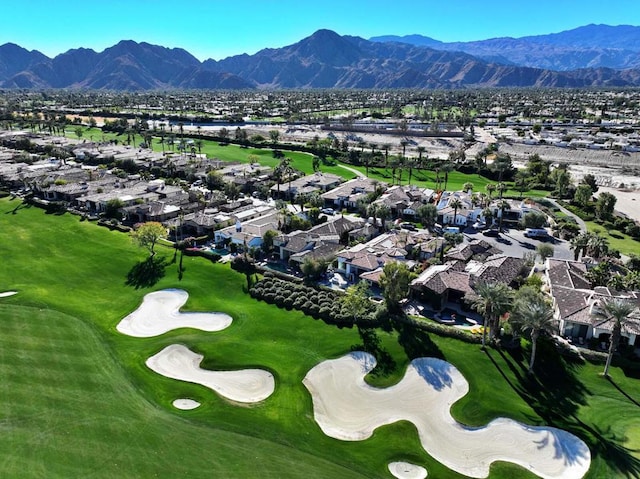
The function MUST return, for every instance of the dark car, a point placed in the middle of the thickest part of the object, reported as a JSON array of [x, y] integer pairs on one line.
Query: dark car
[[492, 233], [408, 226]]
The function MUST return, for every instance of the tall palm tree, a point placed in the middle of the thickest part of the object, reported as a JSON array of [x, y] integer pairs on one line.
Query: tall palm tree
[[490, 189], [491, 301], [447, 167], [534, 317], [579, 244], [617, 313], [501, 187], [386, 147], [421, 150], [455, 204], [504, 205]]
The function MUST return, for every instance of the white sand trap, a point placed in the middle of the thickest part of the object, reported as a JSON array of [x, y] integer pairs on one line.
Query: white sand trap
[[245, 386], [406, 470], [185, 404], [160, 312], [8, 293], [346, 408]]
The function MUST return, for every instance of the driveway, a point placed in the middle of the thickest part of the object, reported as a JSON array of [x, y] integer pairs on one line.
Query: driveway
[[582, 224]]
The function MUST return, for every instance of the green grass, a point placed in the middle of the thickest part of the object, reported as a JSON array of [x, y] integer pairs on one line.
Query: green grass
[[617, 239], [79, 401], [303, 162]]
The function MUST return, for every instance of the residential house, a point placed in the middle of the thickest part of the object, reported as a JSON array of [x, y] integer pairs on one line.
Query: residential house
[[347, 194], [574, 300], [321, 241], [404, 201], [318, 182], [250, 232]]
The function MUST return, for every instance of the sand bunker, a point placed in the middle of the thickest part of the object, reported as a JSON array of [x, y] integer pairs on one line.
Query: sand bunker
[[406, 470], [8, 293], [346, 408], [185, 404], [245, 386], [159, 313]]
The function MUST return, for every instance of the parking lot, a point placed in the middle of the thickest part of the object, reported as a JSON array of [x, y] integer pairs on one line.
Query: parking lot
[[514, 243]]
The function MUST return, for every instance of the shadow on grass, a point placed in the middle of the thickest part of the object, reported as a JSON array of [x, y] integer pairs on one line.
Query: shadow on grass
[[385, 364], [416, 343], [623, 392], [146, 273], [17, 208], [556, 393]]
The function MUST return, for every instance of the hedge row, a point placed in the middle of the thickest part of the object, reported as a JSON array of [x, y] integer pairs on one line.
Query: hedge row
[[214, 257], [441, 329], [321, 304]]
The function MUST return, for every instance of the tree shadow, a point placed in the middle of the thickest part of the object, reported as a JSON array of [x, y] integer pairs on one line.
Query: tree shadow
[[146, 273], [554, 391], [416, 343], [385, 363], [623, 392], [556, 394], [17, 208]]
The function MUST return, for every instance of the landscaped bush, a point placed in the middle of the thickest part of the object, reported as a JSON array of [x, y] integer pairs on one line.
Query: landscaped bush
[[320, 304]]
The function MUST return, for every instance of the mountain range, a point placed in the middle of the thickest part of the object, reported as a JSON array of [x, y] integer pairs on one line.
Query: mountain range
[[595, 55], [591, 46]]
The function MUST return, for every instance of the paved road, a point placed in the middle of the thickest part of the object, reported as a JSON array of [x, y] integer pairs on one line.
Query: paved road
[[354, 171], [581, 223]]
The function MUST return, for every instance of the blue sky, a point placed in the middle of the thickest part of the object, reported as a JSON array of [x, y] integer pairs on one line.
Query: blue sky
[[217, 29]]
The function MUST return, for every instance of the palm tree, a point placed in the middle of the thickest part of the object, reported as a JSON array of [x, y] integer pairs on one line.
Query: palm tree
[[534, 317], [447, 167], [501, 187], [487, 214], [597, 246], [455, 204], [504, 205], [468, 186], [579, 244], [283, 169], [490, 189], [386, 147], [421, 150], [617, 313], [491, 301]]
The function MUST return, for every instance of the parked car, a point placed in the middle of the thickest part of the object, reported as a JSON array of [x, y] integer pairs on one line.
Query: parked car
[[492, 232], [328, 211], [536, 233], [479, 225], [408, 226]]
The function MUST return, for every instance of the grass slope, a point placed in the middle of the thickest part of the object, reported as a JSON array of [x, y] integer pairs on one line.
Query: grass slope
[[78, 399]]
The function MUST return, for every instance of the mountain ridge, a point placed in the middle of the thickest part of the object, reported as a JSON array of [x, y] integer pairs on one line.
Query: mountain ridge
[[326, 59], [589, 46]]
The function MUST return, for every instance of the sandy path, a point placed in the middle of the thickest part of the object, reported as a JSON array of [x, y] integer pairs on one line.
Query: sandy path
[[245, 386], [346, 408], [160, 313]]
